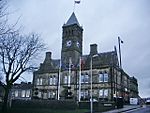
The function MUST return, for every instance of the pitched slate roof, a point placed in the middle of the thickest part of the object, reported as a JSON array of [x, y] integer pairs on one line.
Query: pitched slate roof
[[102, 59], [23, 85], [50, 66], [72, 20]]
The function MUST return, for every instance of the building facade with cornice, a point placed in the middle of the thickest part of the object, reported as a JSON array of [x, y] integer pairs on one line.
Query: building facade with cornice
[[61, 78]]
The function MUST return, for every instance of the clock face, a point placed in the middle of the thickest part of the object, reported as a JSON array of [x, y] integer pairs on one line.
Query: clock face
[[68, 43], [78, 44]]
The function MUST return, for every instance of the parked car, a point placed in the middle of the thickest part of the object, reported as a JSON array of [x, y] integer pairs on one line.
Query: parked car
[[148, 102]]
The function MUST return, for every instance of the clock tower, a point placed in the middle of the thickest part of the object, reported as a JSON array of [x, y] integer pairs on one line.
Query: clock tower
[[71, 41]]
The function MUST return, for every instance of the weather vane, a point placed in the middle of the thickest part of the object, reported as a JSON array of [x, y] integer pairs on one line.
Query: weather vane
[[76, 2]]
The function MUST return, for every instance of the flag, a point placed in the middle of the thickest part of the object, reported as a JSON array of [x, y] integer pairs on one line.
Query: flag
[[120, 40], [64, 67], [71, 65], [77, 2], [82, 62]]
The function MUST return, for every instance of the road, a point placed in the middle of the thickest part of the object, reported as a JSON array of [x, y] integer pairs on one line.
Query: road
[[144, 109]]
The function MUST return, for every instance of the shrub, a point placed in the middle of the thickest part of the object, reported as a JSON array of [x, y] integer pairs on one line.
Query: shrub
[[44, 104]]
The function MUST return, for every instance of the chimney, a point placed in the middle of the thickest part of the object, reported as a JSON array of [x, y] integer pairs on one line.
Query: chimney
[[48, 57], [93, 49]]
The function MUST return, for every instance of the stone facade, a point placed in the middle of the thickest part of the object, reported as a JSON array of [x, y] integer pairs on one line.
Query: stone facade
[[108, 80], [22, 91]]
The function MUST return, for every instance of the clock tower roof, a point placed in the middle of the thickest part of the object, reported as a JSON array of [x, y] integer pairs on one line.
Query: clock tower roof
[[72, 20]]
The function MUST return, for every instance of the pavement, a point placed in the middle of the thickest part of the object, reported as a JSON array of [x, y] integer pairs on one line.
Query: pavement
[[124, 109]]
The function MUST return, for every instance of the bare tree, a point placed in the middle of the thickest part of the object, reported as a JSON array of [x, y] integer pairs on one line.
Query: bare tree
[[17, 53], [3, 18]]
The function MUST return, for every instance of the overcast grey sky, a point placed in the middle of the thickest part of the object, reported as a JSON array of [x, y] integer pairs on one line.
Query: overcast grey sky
[[102, 20]]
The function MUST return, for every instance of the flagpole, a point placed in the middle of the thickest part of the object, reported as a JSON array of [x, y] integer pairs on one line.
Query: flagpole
[[119, 52], [69, 71], [59, 79], [119, 40], [91, 103], [74, 6], [76, 2], [80, 80]]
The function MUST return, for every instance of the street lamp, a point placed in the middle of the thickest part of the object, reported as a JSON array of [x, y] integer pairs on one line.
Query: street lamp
[[120, 41], [91, 103]]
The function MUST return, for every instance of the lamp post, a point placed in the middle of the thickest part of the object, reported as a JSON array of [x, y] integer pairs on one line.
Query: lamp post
[[120, 41], [59, 80], [91, 93], [80, 80]]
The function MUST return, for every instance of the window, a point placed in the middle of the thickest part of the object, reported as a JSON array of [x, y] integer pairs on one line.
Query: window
[[85, 78], [38, 82], [54, 80], [50, 80], [51, 94], [100, 77], [105, 77], [23, 93], [16, 93], [105, 92], [101, 93], [39, 94], [41, 80], [84, 94], [27, 93], [82, 78], [65, 80]]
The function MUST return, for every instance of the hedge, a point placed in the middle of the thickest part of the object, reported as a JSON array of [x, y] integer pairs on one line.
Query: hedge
[[44, 104]]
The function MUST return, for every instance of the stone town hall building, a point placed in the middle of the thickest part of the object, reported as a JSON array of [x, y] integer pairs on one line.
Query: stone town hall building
[[108, 80]]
